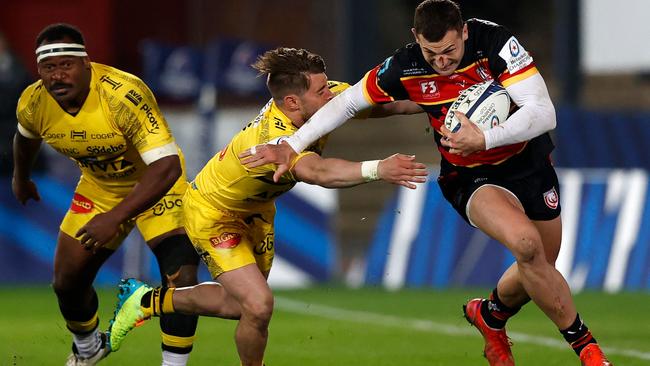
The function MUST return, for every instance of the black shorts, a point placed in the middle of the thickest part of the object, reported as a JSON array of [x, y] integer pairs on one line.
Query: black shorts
[[538, 192]]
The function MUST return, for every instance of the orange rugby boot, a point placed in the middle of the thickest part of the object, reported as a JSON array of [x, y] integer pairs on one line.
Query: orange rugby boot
[[592, 355], [497, 344]]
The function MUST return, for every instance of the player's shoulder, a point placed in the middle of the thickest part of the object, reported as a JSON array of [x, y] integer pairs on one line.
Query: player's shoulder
[[32, 91], [406, 58], [31, 96], [476, 23], [482, 30], [121, 84]]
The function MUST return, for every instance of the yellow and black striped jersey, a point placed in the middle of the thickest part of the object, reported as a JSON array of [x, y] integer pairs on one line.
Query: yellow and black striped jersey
[[225, 183], [118, 130]]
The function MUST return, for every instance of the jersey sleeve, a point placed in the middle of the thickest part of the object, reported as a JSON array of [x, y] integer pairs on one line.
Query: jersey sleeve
[[508, 59], [382, 84], [25, 115], [144, 124]]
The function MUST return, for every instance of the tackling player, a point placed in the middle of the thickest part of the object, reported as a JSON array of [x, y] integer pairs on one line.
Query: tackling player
[[500, 180], [108, 122], [229, 209]]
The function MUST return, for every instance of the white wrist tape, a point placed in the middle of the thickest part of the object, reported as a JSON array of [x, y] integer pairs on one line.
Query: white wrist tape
[[369, 170]]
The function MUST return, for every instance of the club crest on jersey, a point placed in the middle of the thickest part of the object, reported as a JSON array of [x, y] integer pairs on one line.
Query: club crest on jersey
[[225, 241], [483, 74], [81, 204], [551, 198], [429, 89]]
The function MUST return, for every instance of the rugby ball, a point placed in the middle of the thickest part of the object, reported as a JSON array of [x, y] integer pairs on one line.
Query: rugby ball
[[487, 104]]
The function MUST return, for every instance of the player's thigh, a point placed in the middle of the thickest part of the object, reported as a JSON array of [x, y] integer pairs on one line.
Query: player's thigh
[[75, 267], [247, 285], [499, 214], [551, 234]]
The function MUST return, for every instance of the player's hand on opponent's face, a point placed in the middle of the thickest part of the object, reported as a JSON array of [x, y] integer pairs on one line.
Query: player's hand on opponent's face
[[467, 140], [281, 154], [402, 170], [24, 190], [99, 231]]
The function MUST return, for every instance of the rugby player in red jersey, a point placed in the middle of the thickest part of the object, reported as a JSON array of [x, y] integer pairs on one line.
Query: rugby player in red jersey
[[500, 180]]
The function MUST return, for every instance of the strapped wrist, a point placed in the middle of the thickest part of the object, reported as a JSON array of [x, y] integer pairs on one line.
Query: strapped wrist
[[370, 170]]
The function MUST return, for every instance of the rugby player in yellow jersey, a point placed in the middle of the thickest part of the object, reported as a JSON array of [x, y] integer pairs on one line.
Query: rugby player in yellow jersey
[[108, 122], [229, 209]]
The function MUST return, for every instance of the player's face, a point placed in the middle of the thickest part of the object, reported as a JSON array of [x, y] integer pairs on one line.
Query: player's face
[[66, 78], [316, 97], [444, 55]]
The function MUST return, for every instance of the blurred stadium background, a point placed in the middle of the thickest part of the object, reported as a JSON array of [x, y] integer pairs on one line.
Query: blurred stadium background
[[195, 55]]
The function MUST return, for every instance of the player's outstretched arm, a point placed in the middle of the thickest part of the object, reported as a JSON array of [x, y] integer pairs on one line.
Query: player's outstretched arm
[[397, 169], [281, 154], [25, 151], [157, 179]]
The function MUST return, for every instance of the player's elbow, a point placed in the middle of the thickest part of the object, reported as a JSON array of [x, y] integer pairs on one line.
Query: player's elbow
[[547, 114], [170, 169]]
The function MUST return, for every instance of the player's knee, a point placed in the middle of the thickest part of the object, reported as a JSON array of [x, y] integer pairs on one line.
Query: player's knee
[[63, 288], [526, 247], [177, 261], [258, 309]]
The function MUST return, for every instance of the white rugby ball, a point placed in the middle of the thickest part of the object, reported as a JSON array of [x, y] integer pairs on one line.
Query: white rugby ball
[[487, 104]]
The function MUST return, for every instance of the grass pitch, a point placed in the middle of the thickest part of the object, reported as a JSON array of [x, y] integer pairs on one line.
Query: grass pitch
[[335, 326]]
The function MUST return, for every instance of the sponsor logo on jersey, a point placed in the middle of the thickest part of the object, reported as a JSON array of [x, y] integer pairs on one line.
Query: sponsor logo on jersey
[[103, 136], [429, 89], [114, 84], [551, 198], [78, 135], [414, 71], [134, 97], [105, 149], [67, 150], [279, 124], [117, 165], [167, 203], [153, 122], [54, 136], [225, 241], [81, 204], [515, 56]]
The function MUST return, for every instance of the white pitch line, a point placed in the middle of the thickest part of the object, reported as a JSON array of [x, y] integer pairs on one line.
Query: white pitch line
[[329, 312]]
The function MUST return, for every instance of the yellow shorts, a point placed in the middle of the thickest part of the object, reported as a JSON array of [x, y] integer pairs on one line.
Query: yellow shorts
[[90, 200], [227, 240]]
